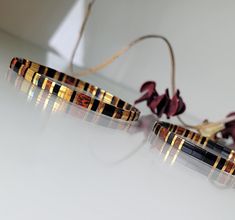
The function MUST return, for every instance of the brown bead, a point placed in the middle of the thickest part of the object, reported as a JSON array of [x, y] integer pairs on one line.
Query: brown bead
[[69, 80], [229, 166], [119, 113], [177, 142], [197, 137], [48, 85], [13, 63], [23, 70], [82, 100], [163, 133], [180, 130]]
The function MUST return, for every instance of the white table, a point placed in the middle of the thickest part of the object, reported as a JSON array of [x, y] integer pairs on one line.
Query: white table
[[60, 162]]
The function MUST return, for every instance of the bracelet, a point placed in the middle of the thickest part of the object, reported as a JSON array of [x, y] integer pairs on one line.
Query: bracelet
[[182, 144], [204, 142], [171, 155], [56, 83], [43, 101]]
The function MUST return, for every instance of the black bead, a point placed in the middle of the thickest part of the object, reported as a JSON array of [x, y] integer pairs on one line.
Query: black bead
[[193, 136], [40, 81], [50, 73], [108, 110], [129, 116], [210, 158], [170, 138], [76, 84], [221, 163], [157, 128], [128, 107], [33, 76], [86, 86], [197, 154], [41, 69], [186, 133], [120, 104], [174, 129], [17, 67], [98, 91], [203, 140], [95, 105], [73, 96], [187, 148], [233, 172], [216, 147], [226, 150], [56, 89], [61, 76], [165, 124]]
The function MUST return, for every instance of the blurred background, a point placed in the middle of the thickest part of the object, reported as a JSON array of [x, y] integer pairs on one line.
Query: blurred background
[[202, 34]]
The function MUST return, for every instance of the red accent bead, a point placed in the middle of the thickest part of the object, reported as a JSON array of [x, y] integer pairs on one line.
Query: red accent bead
[[82, 100]]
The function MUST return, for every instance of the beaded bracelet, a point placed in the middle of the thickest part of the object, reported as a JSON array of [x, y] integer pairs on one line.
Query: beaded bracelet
[[204, 142], [182, 144], [60, 84], [171, 155]]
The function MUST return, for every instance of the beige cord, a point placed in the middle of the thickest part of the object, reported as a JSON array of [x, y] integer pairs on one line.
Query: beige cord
[[80, 34], [206, 128], [119, 53]]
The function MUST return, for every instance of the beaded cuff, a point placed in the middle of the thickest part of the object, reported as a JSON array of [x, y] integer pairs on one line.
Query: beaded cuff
[[168, 133], [75, 90]]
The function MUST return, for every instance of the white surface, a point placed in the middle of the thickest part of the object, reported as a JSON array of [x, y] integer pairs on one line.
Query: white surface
[[57, 163]]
